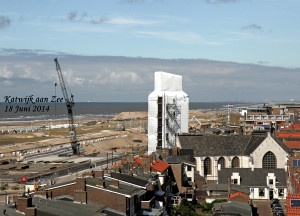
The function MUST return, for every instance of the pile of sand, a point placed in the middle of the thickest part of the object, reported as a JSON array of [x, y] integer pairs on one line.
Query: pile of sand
[[131, 115]]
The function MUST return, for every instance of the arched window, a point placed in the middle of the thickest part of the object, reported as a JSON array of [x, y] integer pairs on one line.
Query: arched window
[[222, 162], [207, 166], [269, 161], [235, 162]]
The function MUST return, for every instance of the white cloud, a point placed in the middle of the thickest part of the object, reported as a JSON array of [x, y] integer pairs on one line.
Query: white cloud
[[183, 37], [5, 72]]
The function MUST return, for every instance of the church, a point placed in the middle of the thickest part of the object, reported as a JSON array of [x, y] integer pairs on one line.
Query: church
[[259, 163]]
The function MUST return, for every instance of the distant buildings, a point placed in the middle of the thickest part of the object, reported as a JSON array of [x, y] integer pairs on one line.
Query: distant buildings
[[168, 108]]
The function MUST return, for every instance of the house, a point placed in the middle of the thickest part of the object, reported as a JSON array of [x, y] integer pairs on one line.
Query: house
[[262, 183], [213, 154], [232, 208], [118, 197], [293, 194]]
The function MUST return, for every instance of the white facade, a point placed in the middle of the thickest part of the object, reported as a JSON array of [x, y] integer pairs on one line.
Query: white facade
[[168, 109], [254, 160]]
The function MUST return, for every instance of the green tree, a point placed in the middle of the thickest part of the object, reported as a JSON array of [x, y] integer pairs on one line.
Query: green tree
[[185, 208]]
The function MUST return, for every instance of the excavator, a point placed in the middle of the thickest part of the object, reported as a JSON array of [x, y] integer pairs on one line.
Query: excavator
[[70, 104]]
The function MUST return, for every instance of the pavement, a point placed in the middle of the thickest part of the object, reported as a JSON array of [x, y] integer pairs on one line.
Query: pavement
[[263, 207]]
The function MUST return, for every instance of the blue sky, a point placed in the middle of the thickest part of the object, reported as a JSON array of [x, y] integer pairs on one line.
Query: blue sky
[[246, 31], [226, 50]]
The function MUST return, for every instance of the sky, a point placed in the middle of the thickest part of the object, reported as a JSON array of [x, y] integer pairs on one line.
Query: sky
[[227, 49]]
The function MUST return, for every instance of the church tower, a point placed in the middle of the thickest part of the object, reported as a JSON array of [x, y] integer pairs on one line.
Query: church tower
[[168, 109]]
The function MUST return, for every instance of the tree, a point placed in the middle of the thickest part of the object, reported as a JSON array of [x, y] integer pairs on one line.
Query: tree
[[185, 208]]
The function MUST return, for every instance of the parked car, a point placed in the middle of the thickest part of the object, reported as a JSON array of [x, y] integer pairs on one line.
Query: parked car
[[277, 208], [274, 201], [278, 213]]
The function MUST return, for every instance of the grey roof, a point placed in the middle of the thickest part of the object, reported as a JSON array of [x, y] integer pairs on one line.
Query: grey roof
[[243, 209], [46, 207], [130, 179], [123, 188], [252, 178], [224, 187], [211, 145], [66, 208]]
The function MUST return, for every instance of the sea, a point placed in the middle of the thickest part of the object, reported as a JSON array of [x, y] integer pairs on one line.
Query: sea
[[20, 112]]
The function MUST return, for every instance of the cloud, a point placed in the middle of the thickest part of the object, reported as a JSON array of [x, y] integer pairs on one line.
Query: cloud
[[107, 78], [183, 37], [72, 15], [99, 20], [252, 27], [4, 22]]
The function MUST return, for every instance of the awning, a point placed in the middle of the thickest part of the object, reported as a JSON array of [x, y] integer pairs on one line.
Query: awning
[[159, 193]]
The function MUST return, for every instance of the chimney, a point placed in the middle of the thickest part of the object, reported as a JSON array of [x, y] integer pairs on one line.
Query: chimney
[[123, 160], [153, 156], [131, 158], [80, 184], [163, 155], [114, 183], [146, 164], [23, 203], [141, 153], [98, 173], [174, 152]]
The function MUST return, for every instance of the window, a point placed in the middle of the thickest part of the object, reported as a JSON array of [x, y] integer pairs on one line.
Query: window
[[270, 181], [295, 202], [235, 181], [207, 166], [261, 192], [189, 168], [269, 161], [235, 162], [222, 162], [281, 192], [296, 162], [189, 179]]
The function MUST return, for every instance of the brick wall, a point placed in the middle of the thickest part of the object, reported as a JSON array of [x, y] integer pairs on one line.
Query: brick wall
[[23, 203], [80, 196], [31, 211], [177, 170], [111, 200], [66, 190]]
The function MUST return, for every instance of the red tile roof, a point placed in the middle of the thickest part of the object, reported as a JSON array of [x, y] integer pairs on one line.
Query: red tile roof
[[281, 124], [292, 144], [297, 127], [160, 165], [157, 165], [288, 135]]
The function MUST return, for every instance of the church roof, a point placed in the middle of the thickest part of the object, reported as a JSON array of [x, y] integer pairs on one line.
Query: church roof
[[257, 177], [210, 145]]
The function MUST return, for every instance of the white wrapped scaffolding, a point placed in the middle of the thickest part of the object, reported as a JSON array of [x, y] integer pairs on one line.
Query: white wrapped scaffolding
[[168, 108]]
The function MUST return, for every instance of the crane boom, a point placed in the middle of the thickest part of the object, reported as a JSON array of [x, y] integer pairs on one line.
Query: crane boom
[[70, 104]]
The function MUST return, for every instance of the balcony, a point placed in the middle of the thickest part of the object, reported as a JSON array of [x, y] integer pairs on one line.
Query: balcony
[[148, 204]]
